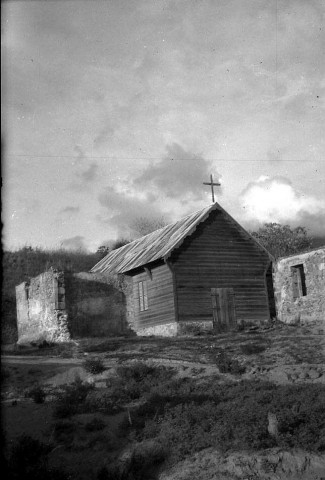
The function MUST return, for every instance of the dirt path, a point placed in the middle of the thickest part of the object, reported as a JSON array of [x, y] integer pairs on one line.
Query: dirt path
[[35, 360]]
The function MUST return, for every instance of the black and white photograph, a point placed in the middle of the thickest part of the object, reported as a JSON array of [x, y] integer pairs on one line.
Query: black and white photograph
[[163, 239]]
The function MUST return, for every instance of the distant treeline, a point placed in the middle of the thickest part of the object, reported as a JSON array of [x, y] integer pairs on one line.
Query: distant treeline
[[18, 266]]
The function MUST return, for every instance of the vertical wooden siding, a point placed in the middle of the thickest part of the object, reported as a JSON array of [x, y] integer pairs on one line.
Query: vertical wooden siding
[[218, 255], [160, 298]]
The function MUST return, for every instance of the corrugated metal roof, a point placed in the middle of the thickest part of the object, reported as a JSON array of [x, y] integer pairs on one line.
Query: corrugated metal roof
[[155, 246]]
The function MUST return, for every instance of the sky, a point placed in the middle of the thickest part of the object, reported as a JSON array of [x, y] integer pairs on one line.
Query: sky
[[116, 111]]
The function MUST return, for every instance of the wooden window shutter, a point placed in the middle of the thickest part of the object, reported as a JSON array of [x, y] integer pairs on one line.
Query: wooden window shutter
[[145, 295], [141, 296]]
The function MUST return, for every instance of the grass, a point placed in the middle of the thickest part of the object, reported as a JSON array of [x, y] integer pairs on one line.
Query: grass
[[165, 418], [184, 416], [252, 348]]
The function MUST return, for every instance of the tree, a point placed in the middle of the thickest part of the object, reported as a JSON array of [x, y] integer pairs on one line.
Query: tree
[[143, 226], [102, 251], [281, 240]]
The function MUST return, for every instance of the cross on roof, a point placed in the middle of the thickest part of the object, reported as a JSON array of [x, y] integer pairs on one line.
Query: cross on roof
[[212, 184]]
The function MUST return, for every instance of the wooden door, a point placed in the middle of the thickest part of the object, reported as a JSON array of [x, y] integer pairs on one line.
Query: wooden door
[[223, 308]]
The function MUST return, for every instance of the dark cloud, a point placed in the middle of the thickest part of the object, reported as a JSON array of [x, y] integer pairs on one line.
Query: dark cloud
[[80, 153], [122, 210], [86, 177], [105, 134], [70, 210], [90, 173], [179, 175], [74, 243]]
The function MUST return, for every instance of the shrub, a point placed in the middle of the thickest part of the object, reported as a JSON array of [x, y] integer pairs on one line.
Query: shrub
[[95, 425], [94, 365], [138, 379], [28, 461], [72, 400], [64, 431], [37, 394], [227, 364], [252, 348], [104, 439], [105, 402], [140, 371], [233, 415], [141, 465]]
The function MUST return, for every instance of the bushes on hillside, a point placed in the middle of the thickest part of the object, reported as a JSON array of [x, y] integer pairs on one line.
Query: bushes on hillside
[[188, 417]]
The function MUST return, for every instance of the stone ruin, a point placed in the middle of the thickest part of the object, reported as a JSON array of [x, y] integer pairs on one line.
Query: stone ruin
[[56, 307], [299, 287]]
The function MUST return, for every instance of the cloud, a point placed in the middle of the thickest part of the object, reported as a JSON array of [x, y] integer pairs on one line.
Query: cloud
[[178, 175], [70, 210], [80, 154], [85, 178], [274, 155], [89, 174], [123, 209], [104, 134], [74, 243], [276, 200]]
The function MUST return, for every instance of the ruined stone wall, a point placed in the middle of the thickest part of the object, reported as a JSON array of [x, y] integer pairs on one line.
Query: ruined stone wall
[[57, 307], [96, 305], [310, 305], [41, 313]]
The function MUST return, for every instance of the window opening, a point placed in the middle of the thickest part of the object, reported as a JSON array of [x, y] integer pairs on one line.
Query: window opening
[[298, 281]]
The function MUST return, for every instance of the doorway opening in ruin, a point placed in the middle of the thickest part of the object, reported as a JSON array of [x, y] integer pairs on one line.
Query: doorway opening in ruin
[[270, 291]]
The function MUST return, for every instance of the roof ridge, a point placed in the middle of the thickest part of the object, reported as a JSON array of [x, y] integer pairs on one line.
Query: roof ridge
[[130, 248], [159, 244]]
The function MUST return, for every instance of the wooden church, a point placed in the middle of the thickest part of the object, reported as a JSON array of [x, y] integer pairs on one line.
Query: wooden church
[[204, 271]]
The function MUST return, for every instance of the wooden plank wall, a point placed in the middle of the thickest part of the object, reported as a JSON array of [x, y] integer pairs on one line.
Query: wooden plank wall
[[218, 255], [160, 292]]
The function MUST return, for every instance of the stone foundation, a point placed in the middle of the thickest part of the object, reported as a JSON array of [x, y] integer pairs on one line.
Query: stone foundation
[[194, 328], [298, 304], [168, 330], [174, 329]]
